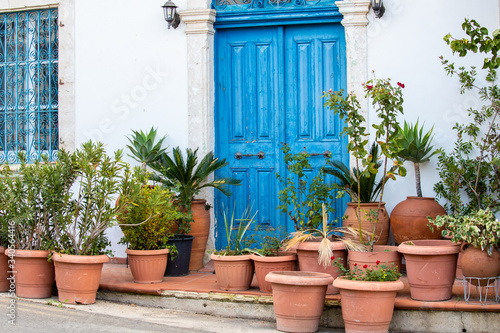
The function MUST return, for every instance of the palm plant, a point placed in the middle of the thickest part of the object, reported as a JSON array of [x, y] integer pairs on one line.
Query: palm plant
[[415, 146], [188, 176], [368, 188], [143, 147]]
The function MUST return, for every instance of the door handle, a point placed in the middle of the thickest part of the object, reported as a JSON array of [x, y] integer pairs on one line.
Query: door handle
[[260, 155], [326, 153]]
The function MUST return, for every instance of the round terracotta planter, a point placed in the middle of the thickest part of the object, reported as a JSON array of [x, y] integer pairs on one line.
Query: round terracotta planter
[[409, 219], [478, 264], [265, 265], [386, 254], [200, 229], [307, 254], [147, 266], [298, 299], [430, 266], [77, 277], [367, 306], [233, 272], [4, 268], [34, 274], [382, 229]]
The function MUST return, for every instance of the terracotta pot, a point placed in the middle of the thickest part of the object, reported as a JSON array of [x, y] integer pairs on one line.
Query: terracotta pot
[[459, 274], [430, 266], [200, 229], [233, 272], [298, 299], [478, 264], [34, 274], [4, 268], [147, 266], [382, 229], [77, 277], [386, 254], [367, 306], [265, 265], [409, 219], [307, 253]]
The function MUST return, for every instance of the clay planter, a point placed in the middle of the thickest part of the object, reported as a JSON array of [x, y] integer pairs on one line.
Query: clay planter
[[77, 277], [34, 274], [147, 266], [409, 219], [307, 253], [430, 266], [386, 254], [233, 272], [478, 264], [298, 299], [367, 306], [4, 268], [265, 265], [382, 229], [200, 229]]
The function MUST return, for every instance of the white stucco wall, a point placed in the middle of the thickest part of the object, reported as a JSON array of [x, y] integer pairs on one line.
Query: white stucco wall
[[405, 45], [130, 73]]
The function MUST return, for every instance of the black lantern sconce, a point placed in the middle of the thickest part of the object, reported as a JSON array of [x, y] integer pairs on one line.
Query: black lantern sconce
[[171, 16], [378, 8]]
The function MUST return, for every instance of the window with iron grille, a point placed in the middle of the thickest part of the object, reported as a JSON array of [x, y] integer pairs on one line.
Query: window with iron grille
[[29, 85]]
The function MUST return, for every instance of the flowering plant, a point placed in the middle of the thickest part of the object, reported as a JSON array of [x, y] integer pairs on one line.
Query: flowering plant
[[381, 272]]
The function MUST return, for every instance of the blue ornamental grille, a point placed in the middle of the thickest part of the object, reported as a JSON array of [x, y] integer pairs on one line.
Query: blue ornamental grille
[[29, 85]]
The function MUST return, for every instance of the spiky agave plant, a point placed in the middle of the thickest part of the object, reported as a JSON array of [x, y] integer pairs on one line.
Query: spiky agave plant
[[144, 147], [414, 145]]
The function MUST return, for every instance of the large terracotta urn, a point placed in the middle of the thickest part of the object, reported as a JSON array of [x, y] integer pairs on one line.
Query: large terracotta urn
[[477, 264], [298, 299], [409, 219], [200, 229], [382, 226]]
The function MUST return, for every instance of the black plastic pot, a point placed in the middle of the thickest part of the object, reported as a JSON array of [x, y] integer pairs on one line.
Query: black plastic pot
[[180, 265]]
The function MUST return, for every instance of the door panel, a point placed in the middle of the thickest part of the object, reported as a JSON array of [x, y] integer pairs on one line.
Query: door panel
[[269, 81]]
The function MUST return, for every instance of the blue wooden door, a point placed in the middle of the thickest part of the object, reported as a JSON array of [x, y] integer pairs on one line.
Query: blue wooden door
[[269, 81]]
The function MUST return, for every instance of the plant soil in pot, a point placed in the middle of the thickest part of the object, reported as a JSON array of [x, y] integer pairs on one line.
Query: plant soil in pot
[[409, 219], [307, 254], [382, 229], [180, 265], [34, 274], [147, 266], [298, 298], [381, 254], [266, 264], [4, 268], [367, 306], [233, 272], [77, 277], [430, 266], [478, 264]]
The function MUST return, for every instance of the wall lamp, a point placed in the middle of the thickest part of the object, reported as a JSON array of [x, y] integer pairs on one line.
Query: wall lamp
[[171, 16], [378, 8]]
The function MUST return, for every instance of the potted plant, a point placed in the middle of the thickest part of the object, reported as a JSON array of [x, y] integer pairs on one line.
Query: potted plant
[[270, 257], [479, 233], [409, 217], [367, 296], [4, 233], [146, 215], [188, 177], [144, 147], [387, 100], [32, 199], [233, 266], [308, 202], [80, 229]]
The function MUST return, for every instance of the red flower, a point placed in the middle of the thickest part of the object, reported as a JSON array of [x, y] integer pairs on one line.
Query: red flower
[[332, 257], [378, 262], [365, 266], [330, 90], [401, 85], [355, 265], [369, 87]]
